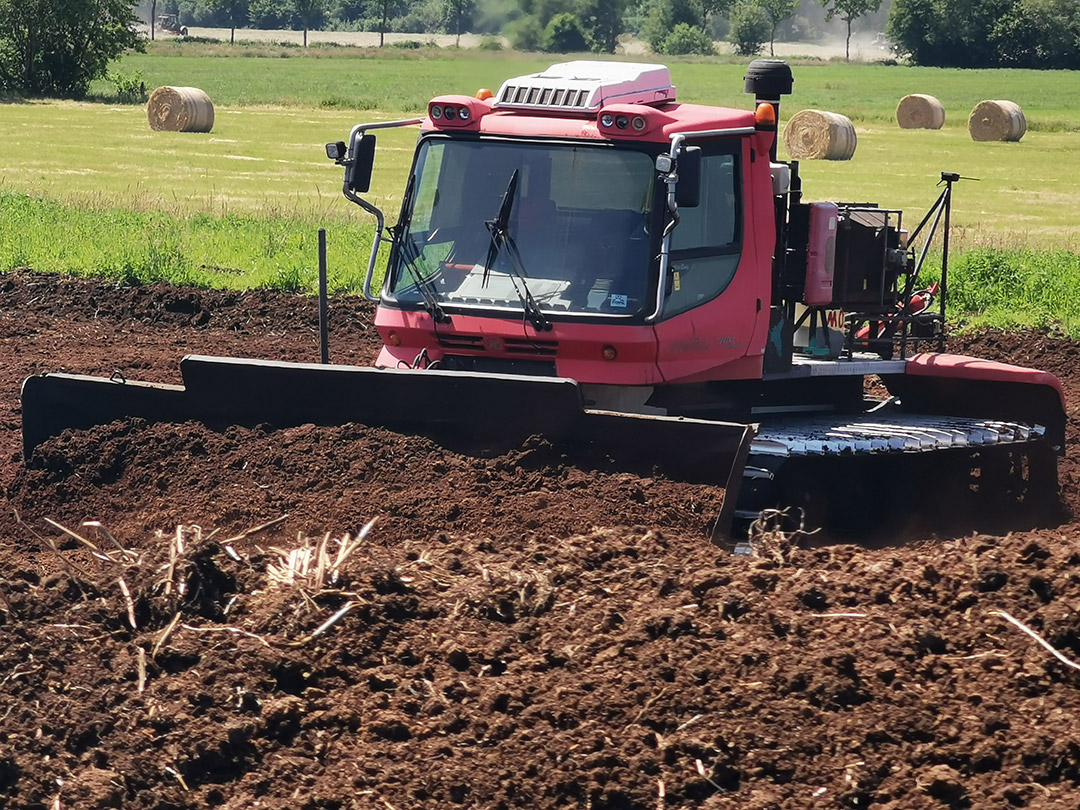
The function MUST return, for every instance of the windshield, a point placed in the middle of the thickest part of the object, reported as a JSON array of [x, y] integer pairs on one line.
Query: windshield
[[579, 219]]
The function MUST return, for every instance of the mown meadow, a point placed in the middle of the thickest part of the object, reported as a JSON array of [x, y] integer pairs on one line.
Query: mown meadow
[[89, 188]]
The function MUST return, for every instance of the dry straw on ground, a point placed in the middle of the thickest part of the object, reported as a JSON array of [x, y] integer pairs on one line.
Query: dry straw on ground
[[997, 121], [180, 109], [920, 111], [820, 135]]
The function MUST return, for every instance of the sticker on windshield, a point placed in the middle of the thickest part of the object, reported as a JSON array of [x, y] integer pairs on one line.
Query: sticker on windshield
[[618, 301]]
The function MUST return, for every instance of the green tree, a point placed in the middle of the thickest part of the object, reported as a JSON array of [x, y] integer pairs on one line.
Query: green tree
[[777, 11], [565, 34], [687, 39], [525, 33], [664, 15], [384, 17], [272, 14], [458, 13], [545, 10], [603, 20], [712, 8], [1038, 34], [749, 28], [849, 11], [52, 48], [308, 12], [234, 10], [952, 33]]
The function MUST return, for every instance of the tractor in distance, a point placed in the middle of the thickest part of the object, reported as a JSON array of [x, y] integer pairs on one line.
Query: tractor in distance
[[171, 24]]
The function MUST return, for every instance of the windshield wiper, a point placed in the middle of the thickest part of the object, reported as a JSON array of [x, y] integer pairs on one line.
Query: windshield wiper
[[409, 254], [500, 236]]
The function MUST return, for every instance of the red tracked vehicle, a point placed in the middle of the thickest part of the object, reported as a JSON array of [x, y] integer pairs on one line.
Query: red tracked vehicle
[[582, 256]]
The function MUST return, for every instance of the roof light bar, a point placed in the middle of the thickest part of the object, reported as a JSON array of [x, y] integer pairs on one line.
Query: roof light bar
[[586, 86]]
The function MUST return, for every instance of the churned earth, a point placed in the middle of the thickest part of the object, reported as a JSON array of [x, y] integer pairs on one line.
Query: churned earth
[[525, 630]]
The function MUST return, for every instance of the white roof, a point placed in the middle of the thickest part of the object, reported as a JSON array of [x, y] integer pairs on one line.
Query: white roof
[[586, 86]]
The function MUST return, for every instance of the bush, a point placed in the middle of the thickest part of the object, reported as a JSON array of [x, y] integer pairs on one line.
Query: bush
[[130, 87], [750, 28], [525, 34], [686, 39], [490, 44], [565, 34]]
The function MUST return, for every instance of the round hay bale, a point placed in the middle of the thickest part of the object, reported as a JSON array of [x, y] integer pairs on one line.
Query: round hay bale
[[819, 135], [997, 121], [920, 111], [180, 109]]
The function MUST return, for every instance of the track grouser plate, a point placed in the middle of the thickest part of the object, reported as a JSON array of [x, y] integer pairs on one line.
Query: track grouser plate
[[873, 433]]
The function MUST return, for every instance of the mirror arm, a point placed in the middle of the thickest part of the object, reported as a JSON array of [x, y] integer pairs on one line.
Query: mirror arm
[[357, 132]]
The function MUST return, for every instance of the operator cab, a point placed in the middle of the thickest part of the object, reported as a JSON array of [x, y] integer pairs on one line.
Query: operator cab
[[581, 220]]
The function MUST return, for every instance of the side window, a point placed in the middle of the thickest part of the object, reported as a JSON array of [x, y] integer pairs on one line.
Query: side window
[[705, 246]]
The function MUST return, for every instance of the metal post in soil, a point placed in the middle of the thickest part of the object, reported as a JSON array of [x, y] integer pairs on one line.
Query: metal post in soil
[[324, 332]]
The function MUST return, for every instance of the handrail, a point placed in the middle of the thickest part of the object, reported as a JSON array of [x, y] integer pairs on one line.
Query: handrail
[[672, 180]]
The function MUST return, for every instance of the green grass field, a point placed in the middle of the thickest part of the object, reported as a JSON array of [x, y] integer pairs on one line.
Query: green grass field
[[89, 188]]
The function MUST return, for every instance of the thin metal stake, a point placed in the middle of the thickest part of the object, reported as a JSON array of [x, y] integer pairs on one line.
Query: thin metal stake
[[324, 332], [945, 258]]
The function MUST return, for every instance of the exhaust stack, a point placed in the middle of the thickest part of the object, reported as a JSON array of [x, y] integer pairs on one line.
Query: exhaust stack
[[768, 79]]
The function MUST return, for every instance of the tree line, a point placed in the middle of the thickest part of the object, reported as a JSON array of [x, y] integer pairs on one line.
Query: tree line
[[669, 26], [50, 48], [987, 33]]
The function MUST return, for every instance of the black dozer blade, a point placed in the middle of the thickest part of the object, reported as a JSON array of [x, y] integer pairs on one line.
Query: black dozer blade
[[479, 413]]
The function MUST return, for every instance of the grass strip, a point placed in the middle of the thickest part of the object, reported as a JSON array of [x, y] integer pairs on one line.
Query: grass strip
[[235, 251], [1003, 287]]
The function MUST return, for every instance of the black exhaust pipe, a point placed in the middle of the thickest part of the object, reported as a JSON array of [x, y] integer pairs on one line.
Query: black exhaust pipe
[[768, 79]]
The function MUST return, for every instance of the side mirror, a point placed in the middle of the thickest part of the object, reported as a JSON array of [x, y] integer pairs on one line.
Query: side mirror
[[336, 151], [358, 173], [688, 189]]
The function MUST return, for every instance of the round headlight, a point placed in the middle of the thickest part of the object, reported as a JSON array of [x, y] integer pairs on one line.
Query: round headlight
[[436, 112], [622, 122], [450, 112], [463, 113], [638, 123], [607, 119]]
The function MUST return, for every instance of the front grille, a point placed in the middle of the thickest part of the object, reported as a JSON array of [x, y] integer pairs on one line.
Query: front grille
[[500, 345], [459, 342], [498, 365], [540, 348]]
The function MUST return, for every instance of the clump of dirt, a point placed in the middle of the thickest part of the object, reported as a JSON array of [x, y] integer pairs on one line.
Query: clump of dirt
[[530, 630], [337, 479]]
